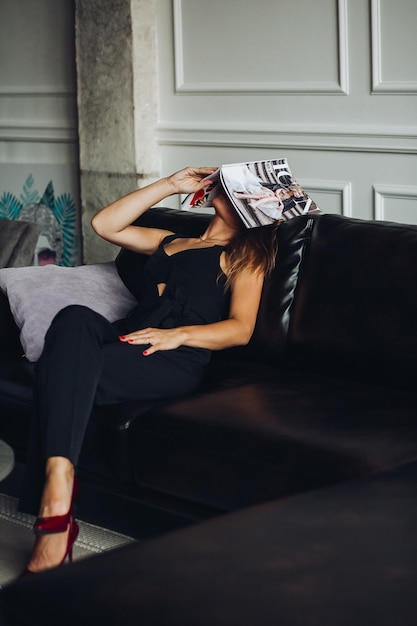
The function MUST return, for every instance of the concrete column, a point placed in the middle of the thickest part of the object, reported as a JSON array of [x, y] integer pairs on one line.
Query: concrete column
[[145, 89], [116, 117]]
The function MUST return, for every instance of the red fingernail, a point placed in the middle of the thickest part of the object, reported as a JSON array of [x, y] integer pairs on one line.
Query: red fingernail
[[145, 353], [130, 340], [122, 337]]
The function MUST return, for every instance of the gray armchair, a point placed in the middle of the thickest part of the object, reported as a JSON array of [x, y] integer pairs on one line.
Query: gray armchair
[[17, 242]]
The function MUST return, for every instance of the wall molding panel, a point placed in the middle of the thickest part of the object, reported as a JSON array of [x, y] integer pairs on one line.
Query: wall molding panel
[[339, 86], [345, 139], [384, 193], [241, 81], [32, 92], [38, 115], [379, 85], [341, 190], [38, 134]]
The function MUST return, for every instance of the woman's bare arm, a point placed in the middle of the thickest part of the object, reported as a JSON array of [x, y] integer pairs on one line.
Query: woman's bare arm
[[234, 331], [113, 223]]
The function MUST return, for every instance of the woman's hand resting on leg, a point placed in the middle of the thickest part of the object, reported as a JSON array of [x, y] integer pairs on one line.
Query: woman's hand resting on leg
[[157, 338]]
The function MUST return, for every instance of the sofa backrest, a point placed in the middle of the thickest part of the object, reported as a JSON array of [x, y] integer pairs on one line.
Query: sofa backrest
[[269, 339], [341, 300], [355, 309]]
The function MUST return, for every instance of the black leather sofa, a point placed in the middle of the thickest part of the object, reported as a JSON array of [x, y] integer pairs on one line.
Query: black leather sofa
[[322, 400], [343, 555]]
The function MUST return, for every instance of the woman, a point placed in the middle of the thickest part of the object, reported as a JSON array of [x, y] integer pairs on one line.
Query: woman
[[266, 200], [195, 299]]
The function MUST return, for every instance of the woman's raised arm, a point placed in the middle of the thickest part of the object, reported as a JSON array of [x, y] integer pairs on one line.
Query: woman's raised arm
[[113, 223]]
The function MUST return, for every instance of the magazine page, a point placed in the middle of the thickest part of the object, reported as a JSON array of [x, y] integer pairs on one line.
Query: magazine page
[[265, 191], [261, 192]]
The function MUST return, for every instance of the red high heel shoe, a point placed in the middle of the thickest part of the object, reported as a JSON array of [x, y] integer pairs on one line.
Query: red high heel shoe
[[72, 537], [59, 524]]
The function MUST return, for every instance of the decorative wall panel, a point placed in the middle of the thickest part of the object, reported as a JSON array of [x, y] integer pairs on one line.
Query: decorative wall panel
[[241, 81], [261, 47], [392, 201], [257, 134], [394, 46], [331, 196]]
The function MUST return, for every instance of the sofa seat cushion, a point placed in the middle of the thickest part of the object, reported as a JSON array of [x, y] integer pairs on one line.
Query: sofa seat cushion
[[342, 555], [108, 425], [244, 445]]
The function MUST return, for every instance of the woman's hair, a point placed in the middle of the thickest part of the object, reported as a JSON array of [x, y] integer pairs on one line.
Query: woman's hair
[[253, 250]]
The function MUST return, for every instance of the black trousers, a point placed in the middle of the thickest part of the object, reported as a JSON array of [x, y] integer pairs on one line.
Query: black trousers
[[84, 363]]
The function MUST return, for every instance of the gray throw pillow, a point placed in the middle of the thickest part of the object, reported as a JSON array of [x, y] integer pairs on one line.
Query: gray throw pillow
[[36, 294]]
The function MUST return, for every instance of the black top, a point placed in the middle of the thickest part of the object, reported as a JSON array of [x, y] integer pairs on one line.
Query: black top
[[195, 289]]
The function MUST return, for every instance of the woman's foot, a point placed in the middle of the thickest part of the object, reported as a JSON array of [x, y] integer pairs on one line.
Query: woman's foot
[[49, 551], [54, 536]]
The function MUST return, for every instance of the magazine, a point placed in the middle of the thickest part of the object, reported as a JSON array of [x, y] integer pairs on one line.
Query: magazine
[[261, 192]]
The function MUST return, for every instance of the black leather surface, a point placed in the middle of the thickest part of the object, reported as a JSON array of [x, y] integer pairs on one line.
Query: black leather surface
[[269, 338], [16, 392], [239, 446], [324, 391], [355, 313], [9, 332], [341, 556]]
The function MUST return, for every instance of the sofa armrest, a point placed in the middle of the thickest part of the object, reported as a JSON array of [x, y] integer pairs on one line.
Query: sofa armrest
[[9, 332], [17, 242]]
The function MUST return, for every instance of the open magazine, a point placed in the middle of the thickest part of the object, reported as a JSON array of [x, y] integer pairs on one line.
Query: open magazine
[[261, 192]]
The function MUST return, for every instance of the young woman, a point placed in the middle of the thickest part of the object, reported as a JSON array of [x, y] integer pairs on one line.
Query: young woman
[[199, 294]]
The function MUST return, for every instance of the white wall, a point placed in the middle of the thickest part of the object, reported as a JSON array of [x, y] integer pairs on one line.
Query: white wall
[[330, 84], [38, 121]]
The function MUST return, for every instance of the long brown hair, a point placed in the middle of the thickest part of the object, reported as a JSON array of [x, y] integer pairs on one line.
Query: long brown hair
[[252, 250]]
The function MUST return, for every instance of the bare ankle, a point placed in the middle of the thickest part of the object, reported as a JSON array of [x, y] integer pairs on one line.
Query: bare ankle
[[59, 466], [56, 496]]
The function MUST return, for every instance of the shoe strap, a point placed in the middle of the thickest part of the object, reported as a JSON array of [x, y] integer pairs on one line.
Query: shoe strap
[[54, 524]]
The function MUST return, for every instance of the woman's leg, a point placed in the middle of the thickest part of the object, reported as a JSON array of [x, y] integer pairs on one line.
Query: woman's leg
[[50, 549], [84, 362], [67, 375]]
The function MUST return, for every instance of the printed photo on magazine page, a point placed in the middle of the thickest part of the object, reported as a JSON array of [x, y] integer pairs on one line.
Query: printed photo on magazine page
[[261, 192]]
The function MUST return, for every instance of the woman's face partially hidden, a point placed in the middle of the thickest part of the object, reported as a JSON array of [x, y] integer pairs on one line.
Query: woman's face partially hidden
[[226, 211]]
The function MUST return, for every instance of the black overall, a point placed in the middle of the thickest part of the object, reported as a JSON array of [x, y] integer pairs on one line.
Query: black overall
[[84, 362]]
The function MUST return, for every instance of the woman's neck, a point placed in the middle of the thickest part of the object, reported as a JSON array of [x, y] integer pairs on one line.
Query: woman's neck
[[218, 232]]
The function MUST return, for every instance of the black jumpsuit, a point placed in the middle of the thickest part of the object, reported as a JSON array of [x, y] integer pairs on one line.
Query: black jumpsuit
[[84, 362]]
